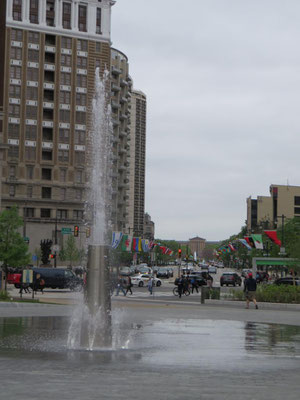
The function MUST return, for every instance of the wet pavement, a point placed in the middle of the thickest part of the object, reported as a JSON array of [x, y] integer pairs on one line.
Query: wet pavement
[[162, 352]]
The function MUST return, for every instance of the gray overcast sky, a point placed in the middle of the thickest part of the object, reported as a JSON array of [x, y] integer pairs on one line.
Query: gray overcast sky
[[222, 79]]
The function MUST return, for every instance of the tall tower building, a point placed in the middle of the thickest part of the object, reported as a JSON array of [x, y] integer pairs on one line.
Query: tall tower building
[[137, 163], [49, 50]]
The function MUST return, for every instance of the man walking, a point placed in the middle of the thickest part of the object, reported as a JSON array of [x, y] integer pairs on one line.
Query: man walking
[[250, 290]]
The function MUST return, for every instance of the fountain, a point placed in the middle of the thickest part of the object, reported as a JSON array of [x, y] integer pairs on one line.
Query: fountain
[[96, 332]]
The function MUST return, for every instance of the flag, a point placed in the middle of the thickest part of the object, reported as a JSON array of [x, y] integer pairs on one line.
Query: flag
[[126, 243], [258, 242], [273, 236], [145, 245], [249, 240], [137, 244], [231, 246], [116, 239], [244, 243]]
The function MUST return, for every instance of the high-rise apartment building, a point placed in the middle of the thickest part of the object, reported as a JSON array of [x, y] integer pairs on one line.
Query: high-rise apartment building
[[137, 164], [121, 87], [49, 50]]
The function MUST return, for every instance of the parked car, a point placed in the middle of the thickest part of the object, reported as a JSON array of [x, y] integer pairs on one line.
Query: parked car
[[287, 281], [200, 277], [162, 273], [142, 280], [59, 278], [143, 269], [230, 278], [171, 272], [212, 269], [245, 272]]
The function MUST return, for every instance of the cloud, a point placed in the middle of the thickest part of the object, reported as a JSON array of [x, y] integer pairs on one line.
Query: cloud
[[223, 85]]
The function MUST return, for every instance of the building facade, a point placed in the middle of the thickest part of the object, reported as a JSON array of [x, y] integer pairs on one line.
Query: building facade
[[49, 52], [197, 245], [266, 212], [149, 227], [137, 163]]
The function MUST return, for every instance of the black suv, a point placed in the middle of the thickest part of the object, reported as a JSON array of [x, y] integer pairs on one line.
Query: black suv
[[230, 278], [287, 281]]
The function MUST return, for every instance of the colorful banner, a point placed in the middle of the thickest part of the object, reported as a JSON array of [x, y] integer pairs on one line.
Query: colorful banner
[[273, 236], [258, 242], [116, 239], [126, 243]]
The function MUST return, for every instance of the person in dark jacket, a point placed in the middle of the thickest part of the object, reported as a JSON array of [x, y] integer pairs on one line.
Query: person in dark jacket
[[129, 285], [250, 290]]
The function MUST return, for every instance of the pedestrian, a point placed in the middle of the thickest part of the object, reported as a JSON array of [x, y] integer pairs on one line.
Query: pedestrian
[[194, 284], [25, 287], [150, 285], [209, 281], [36, 284], [42, 285], [129, 285], [120, 286], [250, 290], [180, 286]]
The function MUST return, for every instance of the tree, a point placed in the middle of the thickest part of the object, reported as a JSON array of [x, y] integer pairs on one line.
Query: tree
[[70, 251], [13, 249]]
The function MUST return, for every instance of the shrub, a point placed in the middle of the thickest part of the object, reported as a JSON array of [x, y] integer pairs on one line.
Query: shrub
[[4, 296], [272, 294]]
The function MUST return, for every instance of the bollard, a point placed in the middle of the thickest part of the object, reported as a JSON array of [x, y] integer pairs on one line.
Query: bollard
[[202, 295]]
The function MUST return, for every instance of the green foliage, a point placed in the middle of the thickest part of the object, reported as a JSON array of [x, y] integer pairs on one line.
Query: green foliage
[[272, 294], [70, 252], [4, 295], [13, 249]]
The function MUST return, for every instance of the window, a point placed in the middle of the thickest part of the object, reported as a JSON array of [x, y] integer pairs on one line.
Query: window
[[50, 40], [15, 72], [63, 155], [66, 15], [80, 117], [81, 81], [15, 91], [33, 37], [65, 79], [31, 112], [46, 174], [31, 132], [14, 110], [29, 191], [17, 35], [29, 212], [48, 95], [63, 193], [12, 191], [29, 171], [33, 55], [50, 12], [12, 171], [79, 137], [66, 42], [98, 21], [49, 76], [78, 215], [65, 97], [16, 53], [62, 214], [80, 99], [64, 116], [82, 45], [297, 200], [47, 114], [13, 131], [297, 210], [46, 193], [48, 134], [45, 212], [49, 58], [64, 135], [33, 74], [79, 157], [98, 47], [66, 60], [30, 153], [82, 62], [63, 175], [17, 10], [13, 152], [78, 194], [34, 11], [32, 93], [46, 155], [82, 18], [79, 176]]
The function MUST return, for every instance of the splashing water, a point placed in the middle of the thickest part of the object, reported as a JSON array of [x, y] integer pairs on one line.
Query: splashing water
[[99, 192]]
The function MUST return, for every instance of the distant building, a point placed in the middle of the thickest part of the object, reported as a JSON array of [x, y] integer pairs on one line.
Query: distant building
[[149, 227], [137, 164], [196, 245], [266, 212]]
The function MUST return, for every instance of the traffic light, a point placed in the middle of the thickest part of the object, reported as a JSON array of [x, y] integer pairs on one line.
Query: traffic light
[[88, 232], [76, 230], [179, 253], [52, 256]]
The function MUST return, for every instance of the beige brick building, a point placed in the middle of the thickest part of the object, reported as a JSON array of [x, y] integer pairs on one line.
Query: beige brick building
[[49, 52], [266, 212]]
